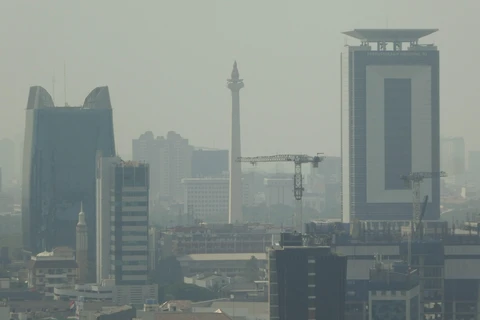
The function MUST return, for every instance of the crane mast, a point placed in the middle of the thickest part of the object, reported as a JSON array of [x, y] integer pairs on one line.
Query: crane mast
[[298, 160], [413, 181]]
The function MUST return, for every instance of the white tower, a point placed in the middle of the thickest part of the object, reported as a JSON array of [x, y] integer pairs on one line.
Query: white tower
[[82, 247], [235, 205]]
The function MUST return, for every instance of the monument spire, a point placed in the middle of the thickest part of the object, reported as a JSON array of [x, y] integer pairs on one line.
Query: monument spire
[[235, 199], [82, 246]]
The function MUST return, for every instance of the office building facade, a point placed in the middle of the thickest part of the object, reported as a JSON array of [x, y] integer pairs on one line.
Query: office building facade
[[60, 149], [306, 283], [389, 123], [129, 224]]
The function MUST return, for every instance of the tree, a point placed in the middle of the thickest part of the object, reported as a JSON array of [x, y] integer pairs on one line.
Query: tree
[[252, 269], [168, 272]]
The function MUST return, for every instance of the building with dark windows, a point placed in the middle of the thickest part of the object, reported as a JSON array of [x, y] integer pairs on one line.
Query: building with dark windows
[[129, 224], [306, 282], [60, 149], [389, 94]]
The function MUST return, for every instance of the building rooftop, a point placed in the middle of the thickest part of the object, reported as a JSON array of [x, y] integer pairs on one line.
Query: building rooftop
[[222, 256], [389, 35]]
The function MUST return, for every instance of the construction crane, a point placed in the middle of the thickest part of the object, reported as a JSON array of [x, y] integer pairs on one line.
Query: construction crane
[[298, 160], [413, 181]]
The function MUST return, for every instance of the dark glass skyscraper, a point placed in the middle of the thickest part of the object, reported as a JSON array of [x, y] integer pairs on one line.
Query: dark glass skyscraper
[[59, 162], [306, 282]]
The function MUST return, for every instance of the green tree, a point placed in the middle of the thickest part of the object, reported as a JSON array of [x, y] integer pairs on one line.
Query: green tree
[[252, 269]]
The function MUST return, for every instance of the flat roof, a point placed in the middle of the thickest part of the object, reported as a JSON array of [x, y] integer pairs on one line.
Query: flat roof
[[389, 35], [222, 256]]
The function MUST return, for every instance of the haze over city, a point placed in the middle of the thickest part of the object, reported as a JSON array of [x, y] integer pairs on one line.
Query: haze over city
[[239, 160], [165, 63]]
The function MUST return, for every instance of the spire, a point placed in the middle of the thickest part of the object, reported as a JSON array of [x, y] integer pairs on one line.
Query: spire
[[81, 216], [235, 74]]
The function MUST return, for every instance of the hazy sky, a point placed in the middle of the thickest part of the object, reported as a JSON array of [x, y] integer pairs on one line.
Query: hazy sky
[[166, 63]]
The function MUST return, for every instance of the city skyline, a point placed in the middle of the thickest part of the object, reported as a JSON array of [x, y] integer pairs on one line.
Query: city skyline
[[294, 80]]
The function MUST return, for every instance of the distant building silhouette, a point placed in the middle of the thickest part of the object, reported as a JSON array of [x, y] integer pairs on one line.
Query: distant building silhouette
[[209, 163], [170, 160], [60, 150]]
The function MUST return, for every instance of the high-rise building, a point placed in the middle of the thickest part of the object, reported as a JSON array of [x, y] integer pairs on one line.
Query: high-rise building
[[7, 160], [170, 159], [81, 251], [306, 282], [389, 123], [209, 163], [60, 149], [129, 224], [474, 167], [235, 204], [105, 176], [453, 155]]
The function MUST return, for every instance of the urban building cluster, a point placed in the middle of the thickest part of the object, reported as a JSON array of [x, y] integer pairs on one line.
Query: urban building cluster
[[388, 230]]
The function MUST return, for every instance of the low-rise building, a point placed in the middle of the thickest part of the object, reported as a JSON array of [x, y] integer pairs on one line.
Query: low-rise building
[[48, 270], [231, 264], [208, 281]]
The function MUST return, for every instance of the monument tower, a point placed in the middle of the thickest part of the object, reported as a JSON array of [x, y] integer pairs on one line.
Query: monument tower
[[82, 247], [235, 199]]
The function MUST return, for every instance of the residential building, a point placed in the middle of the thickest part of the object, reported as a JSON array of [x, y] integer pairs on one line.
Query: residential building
[[389, 94], [474, 167], [209, 163], [48, 270], [170, 159], [306, 282], [60, 149]]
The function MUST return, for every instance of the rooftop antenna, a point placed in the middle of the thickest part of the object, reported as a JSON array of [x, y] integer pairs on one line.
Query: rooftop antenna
[[65, 82]]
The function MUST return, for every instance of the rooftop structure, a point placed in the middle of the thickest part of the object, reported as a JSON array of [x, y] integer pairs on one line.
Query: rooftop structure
[[389, 35]]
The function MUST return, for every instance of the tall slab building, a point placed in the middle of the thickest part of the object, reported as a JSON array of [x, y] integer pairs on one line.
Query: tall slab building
[[59, 164], [390, 123]]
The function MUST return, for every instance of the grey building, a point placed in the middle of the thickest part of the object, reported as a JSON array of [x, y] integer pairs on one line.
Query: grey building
[[389, 123], [129, 223], [209, 163], [59, 167]]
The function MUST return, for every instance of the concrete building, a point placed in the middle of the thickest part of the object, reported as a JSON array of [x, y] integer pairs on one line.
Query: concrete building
[[453, 156], [209, 197], [279, 191], [393, 292], [59, 167], [474, 168], [81, 252], [104, 178], [235, 197], [231, 264], [7, 160], [306, 283], [129, 219], [389, 94], [209, 163], [48, 270], [170, 159]]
